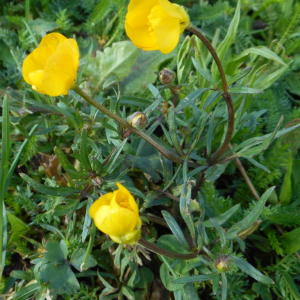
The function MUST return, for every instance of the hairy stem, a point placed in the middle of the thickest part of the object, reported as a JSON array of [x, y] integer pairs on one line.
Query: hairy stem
[[158, 250], [165, 152], [227, 97]]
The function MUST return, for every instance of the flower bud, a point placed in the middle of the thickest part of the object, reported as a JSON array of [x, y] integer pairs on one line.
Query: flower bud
[[137, 119], [167, 76], [222, 263]]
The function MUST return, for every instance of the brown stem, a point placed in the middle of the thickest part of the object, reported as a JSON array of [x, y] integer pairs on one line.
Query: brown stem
[[227, 97], [165, 152], [245, 175], [161, 251]]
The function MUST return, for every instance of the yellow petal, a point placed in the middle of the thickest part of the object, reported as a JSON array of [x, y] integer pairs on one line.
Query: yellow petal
[[170, 8], [142, 38], [115, 222], [123, 198], [138, 11], [71, 46], [129, 239], [36, 78], [51, 40], [103, 200], [166, 28], [36, 61], [59, 74]]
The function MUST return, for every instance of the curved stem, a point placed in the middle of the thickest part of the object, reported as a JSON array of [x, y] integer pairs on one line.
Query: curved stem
[[165, 152], [212, 51], [226, 95], [158, 250]]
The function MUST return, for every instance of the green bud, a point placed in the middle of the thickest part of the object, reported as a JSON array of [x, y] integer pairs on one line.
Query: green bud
[[222, 263], [167, 76], [137, 119]]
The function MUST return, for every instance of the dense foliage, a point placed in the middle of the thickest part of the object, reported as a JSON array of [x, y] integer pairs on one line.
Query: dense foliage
[[59, 154]]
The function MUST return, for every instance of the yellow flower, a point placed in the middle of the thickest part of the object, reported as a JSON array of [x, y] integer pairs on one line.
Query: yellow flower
[[155, 24], [51, 68], [117, 215]]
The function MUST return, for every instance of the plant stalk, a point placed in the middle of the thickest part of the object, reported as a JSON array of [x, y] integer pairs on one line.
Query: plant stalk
[[227, 97], [165, 152], [158, 250]]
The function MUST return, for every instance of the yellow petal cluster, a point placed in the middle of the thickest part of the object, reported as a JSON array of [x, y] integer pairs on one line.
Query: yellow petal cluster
[[117, 215], [51, 68], [155, 24]]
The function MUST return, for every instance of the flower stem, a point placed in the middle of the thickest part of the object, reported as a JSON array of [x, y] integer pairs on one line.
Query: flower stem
[[226, 95], [161, 251], [165, 152]]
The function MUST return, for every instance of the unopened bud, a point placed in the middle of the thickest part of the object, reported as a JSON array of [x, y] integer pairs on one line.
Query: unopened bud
[[137, 119], [222, 263], [167, 76]]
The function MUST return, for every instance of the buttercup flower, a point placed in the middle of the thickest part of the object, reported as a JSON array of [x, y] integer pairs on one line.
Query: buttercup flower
[[117, 215], [155, 24], [51, 68]]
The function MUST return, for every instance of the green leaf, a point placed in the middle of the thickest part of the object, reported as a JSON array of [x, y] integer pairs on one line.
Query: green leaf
[[244, 90], [239, 76], [211, 99], [294, 289], [114, 80], [286, 193], [193, 96], [18, 274], [175, 229], [5, 153], [205, 74], [173, 130], [228, 40], [220, 232], [214, 172], [291, 241], [184, 60], [115, 60], [262, 290], [251, 271], [128, 292], [55, 270], [221, 219], [190, 292], [84, 151], [63, 159], [17, 225], [77, 260], [48, 190], [224, 286], [251, 217], [143, 70], [184, 206], [195, 278]]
